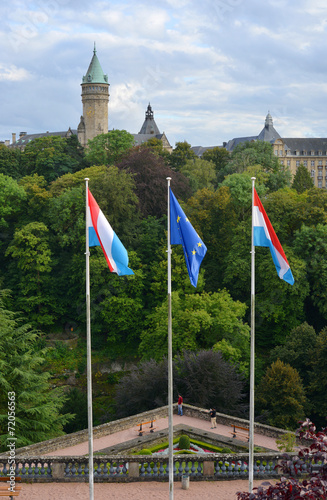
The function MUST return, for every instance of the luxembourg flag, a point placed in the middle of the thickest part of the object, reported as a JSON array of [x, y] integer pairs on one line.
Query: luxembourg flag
[[102, 234], [265, 236]]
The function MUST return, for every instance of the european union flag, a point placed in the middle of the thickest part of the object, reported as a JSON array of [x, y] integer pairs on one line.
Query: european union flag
[[183, 233]]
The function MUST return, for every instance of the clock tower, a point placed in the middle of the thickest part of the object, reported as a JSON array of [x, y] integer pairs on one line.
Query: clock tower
[[95, 99]]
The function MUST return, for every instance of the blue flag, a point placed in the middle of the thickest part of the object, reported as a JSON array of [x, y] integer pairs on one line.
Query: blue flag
[[183, 233]]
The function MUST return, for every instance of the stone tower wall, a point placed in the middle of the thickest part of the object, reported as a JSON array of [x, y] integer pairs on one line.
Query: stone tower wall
[[95, 99]]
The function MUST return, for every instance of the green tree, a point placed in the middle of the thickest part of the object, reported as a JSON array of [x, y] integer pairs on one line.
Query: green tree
[[12, 195], [156, 146], [107, 149], [31, 261], [37, 406], [201, 173], [10, 162], [298, 350], [311, 244], [318, 378], [37, 197], [302, 180], [281, 394], [48, 157], [199, 321], [180, 154], [220, 158], [248, 154]]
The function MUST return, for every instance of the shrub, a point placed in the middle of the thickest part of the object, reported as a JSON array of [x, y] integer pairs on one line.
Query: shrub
[[226, 450], [286, 442], [145, 451], [184, 442]]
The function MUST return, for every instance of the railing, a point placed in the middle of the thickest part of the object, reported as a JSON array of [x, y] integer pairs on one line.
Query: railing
[[115, 468]]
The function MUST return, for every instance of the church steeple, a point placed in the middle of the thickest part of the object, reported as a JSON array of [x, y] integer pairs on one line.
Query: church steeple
[[149, 126], [269, 121]]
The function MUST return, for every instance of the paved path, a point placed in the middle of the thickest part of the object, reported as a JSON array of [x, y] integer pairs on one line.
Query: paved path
[[208, 490], [162, 423]]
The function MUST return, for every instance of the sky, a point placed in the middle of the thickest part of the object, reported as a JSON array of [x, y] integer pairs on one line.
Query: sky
[[211, 69]]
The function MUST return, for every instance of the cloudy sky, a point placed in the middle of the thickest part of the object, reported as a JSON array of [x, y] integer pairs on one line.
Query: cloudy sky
[[211, 69]]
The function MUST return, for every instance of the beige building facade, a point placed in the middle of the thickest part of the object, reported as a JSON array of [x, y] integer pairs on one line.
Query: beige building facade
[[310, 152]]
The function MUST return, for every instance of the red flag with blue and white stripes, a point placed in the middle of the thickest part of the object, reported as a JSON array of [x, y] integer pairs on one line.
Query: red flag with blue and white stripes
[[265, 236], [102, 234]]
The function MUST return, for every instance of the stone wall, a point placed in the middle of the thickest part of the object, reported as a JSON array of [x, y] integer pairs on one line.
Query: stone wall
[[223, 419], [46, 447]]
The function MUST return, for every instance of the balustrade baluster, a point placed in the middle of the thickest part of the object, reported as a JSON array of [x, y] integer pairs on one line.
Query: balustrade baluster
[[142, 470], [161, 469]]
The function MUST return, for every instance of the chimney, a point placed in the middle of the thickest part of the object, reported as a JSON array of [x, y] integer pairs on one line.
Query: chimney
[[13, 137], [7, 142], [21, 134]]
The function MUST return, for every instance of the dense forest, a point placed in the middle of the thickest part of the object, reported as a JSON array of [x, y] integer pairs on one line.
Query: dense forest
[[42, 278]]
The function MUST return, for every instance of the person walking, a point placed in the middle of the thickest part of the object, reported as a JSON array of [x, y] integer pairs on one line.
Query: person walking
[[180, 405], [213, 418]]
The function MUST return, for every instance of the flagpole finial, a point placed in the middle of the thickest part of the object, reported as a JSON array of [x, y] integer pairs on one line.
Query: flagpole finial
[[86, 179], [253, 178]]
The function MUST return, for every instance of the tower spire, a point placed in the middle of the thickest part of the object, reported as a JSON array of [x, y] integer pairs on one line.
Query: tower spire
[[94, 50]]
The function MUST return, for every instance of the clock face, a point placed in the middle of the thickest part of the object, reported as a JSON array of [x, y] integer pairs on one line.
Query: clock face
[[90, 112]]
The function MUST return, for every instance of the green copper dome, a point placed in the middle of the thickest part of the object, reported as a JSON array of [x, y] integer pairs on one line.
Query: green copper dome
[[95, 73]]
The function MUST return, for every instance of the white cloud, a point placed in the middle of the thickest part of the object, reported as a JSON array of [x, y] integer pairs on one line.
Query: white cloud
[[13, 74]]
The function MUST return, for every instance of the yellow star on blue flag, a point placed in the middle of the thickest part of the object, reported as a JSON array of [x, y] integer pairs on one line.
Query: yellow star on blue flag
[[183, 233]]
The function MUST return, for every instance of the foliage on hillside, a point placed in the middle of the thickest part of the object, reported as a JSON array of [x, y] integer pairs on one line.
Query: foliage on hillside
[[42, 246]]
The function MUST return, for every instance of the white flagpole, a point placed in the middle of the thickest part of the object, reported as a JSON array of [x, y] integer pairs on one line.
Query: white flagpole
[[251, 430], [88, 345], [170, 362]]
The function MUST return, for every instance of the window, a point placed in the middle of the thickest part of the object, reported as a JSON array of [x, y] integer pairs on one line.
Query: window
[[276, 152], [312, 163], [319, 184], [288, 163], [304, 153], [297, 152], [282, 162], [320, 153], [312, 153], [297, 163], [305, 163], [280, 152], [312, 172], [320, 164]]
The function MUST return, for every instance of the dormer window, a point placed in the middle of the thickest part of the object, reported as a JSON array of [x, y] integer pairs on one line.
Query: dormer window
[[312, 153], [320, 153], [304, 153]]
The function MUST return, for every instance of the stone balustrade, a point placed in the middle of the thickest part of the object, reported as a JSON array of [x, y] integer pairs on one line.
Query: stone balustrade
[[142, 468]]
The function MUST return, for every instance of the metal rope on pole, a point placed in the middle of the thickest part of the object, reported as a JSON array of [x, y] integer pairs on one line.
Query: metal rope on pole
[[88, 347], [252, 363], [170, 360]]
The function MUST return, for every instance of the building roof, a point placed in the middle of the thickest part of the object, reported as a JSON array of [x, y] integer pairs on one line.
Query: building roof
[[26, 138], [95, 73], [149, 126], [199, 150], [141, 138], [267, 134], [305, 145]]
